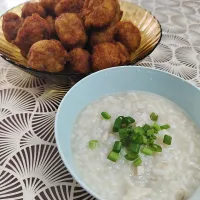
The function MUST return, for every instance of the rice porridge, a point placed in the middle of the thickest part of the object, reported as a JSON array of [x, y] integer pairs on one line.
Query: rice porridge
[[172, 174]]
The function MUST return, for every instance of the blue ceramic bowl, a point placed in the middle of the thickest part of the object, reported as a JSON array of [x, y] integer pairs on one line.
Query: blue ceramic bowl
[[115, 80]]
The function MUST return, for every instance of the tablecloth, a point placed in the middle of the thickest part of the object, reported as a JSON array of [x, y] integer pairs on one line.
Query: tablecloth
[[30, 165]]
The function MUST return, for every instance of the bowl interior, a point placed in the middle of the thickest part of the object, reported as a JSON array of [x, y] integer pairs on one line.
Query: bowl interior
[[117, 80], [148, 25]]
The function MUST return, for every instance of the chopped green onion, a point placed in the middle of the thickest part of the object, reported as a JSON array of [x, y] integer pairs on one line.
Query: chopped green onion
[[154, 117], [134, 147], [154, 137], [92, 144], [147, 151], [113, 156], [167, 139], [123, 133], [150, 132], [159, 148], [146, 127], [117, 146], [125, 142], [166, 126], [151, 141], [133, 137], [144, 139], [137, 162], [131, 156], [139, 130], [156, 126], [130, 130], [155, 148], [117, 124], [128, 120], [139, 140], [105, 115]]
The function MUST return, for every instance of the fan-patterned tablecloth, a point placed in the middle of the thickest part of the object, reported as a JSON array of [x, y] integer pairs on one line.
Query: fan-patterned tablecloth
[[30, 165]]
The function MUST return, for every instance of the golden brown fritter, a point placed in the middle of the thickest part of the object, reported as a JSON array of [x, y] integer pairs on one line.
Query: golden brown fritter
[[69, 6], [30, 8], [49, 5], [10, 26], [124, 55], [128, 35], [47, 55], [106, 34], [51, 23], [118, 14], [105, 55], [80, 60], [70, 30], [99, 13], [34, 29], [102, 36]]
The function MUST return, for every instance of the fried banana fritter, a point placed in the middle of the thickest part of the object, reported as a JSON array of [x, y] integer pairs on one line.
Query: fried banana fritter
[[49, 5], [10, 26], [47, 55], [124, 55], [30, 8], [99, 13], [80, 60], [70, 30], [128, 35], [51, 23], [106, 55], [69, 6], [34, 29]]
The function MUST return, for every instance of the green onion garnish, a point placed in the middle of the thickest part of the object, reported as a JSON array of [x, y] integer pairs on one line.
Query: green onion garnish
[[155, 148], [166, 126], [123, 133], [154, 137], [154, 117], [117, 146], [144, 139], [150, 132], [92, 144], [139, 130], [159, 148], [156, 126], [134, 147], [113, 156], [117, 124], [139, 140], [105, 115], [131, 156], [146, 127], [147, 151], [134, 139], [128, 120], [167, 139], [151, 141], [137, 162], [125, 142]]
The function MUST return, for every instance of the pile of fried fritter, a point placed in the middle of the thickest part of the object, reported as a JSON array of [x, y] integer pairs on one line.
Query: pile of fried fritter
[[73, 35]]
